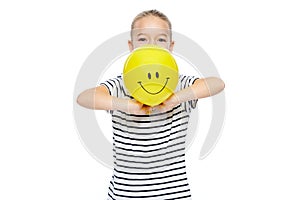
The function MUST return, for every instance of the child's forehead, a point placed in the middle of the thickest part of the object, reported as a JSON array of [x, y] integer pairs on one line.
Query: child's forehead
[[151, 31], [151, 22]]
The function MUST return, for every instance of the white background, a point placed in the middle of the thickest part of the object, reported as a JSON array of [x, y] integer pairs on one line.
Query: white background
[[254, 45]]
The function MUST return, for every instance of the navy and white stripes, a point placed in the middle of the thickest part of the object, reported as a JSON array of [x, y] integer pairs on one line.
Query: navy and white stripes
[[149, 150]]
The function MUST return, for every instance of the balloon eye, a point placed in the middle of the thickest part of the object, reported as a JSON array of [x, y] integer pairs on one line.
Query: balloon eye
[[149, 75], [157, 75]]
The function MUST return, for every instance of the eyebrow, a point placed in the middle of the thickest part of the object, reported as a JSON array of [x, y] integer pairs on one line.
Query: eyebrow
[[146, 34], [141, 34]]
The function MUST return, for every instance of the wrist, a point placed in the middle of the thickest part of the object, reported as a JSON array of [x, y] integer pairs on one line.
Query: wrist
[[120, 104], [184, 95]]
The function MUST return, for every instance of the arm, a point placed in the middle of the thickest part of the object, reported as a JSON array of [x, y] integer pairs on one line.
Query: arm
[[201, 88], [205, 87], [98, 98]]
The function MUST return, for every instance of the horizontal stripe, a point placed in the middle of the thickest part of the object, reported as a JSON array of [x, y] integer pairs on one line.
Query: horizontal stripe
[[183, 197], [149, 127], [151, 150], [149, 139], [166, 188], [151, 133], [149, 156], [148, 179], [154, 167], [129, 161], [157, 195], [149, 173], [151, 184], [147, 121], [149, 145]]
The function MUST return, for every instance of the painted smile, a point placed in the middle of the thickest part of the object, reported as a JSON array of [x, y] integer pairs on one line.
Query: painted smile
[[153, 93]]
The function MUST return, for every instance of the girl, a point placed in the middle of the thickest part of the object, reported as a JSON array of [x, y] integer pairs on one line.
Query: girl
[[149, 142]]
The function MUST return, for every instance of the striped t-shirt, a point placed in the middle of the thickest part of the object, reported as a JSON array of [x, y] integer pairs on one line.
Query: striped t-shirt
[[149, 150]]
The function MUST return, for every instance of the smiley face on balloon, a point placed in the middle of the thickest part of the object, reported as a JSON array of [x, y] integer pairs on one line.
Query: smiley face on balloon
[[150, 74]]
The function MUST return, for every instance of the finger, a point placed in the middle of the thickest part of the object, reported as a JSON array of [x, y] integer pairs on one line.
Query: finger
[[161, 107]]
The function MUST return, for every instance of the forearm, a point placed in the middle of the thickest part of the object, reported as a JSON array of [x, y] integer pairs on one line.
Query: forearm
[[99, 99], [200, 89], [92, 100]]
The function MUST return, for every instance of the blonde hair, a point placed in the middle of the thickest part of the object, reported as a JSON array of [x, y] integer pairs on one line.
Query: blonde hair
[[154, 13]]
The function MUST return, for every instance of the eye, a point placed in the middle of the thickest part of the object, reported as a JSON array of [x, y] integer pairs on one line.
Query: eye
[[149, 75], [162, 40], [157, 75], [142, 39]]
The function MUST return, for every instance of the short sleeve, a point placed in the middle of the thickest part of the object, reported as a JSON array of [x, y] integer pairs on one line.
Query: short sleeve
[[184, 82], [115, 87]]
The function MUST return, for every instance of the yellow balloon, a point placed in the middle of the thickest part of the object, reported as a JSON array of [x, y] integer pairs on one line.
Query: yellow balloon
[[150, 74]]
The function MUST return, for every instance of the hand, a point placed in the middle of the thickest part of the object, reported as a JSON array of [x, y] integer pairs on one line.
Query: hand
[[137, 108], [130, 106], [168, 104]]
